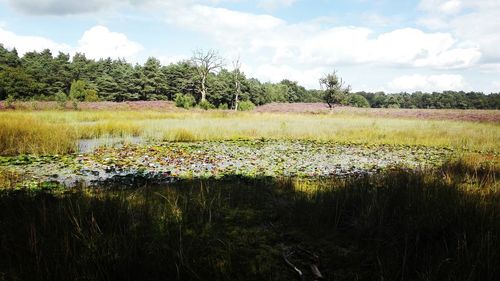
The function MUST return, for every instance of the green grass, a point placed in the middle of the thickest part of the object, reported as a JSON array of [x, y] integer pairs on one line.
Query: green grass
[[50, 132], [396, 226]]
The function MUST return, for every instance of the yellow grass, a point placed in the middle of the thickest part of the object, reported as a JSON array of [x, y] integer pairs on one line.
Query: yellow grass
[[45, 132]]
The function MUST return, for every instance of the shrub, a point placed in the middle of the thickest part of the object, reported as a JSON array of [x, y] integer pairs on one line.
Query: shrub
[[223, 106], [206, 105], [246, 106], [9, 102], [78, 90], [184, 101], [34, 105], [91, 96], [61, 99], [75, 104]]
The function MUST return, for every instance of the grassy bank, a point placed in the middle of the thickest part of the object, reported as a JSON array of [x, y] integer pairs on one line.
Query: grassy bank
[[429, 225], [46, 132]]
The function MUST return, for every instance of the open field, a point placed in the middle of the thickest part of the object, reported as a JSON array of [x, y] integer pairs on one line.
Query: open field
[[115, 193], [425, 114], [319, 108]]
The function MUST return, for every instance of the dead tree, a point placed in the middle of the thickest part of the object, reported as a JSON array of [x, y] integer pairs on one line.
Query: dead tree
[[206, 62], [237, 83]]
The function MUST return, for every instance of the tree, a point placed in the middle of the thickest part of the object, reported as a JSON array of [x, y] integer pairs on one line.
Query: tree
[[237, 83], [335, 92], [206, 62], [154, 80], [358, 100], [16, 83]]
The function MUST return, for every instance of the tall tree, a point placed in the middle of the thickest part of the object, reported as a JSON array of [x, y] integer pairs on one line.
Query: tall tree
[[206, 62], [155, 86]]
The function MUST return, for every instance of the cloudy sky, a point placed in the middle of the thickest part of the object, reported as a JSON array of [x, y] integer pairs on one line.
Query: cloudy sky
[[389, 45]]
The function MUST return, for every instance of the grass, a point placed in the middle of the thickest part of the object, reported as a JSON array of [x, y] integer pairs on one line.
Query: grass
[[56, 132], [403, 225]]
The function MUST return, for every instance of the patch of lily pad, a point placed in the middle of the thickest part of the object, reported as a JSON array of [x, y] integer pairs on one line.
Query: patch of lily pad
[[137, 164]]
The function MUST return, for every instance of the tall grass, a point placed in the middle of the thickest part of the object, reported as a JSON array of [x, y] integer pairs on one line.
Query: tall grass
[[21, 134], [57, 131], [396, 226]]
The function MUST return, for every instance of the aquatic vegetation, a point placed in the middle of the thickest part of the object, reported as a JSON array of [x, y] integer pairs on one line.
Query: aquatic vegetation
[[253, 158]]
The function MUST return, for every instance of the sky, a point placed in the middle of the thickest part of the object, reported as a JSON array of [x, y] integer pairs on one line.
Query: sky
[[378, 45]]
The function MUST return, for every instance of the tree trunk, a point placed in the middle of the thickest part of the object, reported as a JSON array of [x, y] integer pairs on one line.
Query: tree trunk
[[203, 88], [237, 96]]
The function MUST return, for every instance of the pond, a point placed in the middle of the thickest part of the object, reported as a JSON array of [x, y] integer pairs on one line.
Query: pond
[[90, 145]]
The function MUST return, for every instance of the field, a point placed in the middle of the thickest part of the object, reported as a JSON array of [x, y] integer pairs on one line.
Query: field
[[142, 190]]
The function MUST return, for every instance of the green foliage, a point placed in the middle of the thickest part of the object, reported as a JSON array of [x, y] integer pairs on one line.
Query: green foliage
[[223, 106], [17, 83], [9, 102], [41, 75], [91, 96], [358, 101], [206, 105], [246, 106], [184, 101], [335, 92], [61, 99], [78, 90], [74, 103]]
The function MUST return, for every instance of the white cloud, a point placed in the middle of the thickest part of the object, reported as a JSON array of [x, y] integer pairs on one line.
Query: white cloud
[[476, 21], [276, 73], [310, 43], [274, 4], [100, 42], [97, 42], [24, 44], [427, 83]]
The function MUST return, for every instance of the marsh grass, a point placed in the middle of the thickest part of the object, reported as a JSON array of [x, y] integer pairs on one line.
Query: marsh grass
[[396, 226], [57, 131]]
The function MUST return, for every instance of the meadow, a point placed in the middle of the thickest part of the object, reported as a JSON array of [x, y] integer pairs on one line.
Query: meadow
[[57, 132], [265, 195]]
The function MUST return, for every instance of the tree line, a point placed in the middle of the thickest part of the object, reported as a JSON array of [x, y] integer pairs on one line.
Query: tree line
[[202, 80]]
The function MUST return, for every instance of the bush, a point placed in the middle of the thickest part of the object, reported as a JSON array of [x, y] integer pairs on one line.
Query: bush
[[206, 105], [75, 104], [78, 90], [246, 106], [223, 106], [91, 96], [9, 102], [184, 101], [61, 99]]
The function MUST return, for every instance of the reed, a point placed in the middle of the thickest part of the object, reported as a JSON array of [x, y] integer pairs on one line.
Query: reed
[[57, 131]]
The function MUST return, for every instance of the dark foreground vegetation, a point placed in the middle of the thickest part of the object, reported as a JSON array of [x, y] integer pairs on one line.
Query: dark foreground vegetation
[[43, 76], [401, 225]]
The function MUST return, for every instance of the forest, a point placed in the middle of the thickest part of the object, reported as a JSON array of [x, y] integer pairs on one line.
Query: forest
[[47, 77]]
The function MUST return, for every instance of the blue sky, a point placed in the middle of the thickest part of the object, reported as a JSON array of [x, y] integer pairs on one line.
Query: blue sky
[[429, 45]]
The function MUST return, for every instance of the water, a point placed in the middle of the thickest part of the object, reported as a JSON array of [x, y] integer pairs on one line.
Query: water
[[89, 145]]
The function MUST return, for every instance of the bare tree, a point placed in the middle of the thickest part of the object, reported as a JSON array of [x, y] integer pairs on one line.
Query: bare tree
[[205, 63], [237, 83]]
